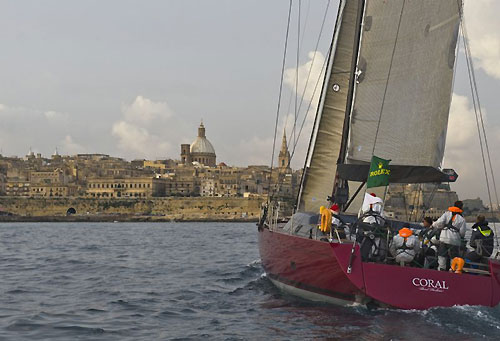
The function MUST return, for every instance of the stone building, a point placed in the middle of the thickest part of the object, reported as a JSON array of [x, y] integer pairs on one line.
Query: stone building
[[52, 190], [207, 188], [3, 180], [181, 186], [17, 188], [48, 177], [201, 150], [414, 201], [473, 205], [144, 187]]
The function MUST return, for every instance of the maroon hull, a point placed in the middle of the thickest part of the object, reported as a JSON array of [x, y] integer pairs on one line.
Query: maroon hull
[[306, 266]]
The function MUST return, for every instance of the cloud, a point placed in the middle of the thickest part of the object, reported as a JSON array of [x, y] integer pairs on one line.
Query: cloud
[[146, 129], [255, 151], [481, 19], [70, 147], [52, 115], [463, 151], [42, 129], [308, 89], [313, 66], [461, 119], [139, 141], [145, 111]]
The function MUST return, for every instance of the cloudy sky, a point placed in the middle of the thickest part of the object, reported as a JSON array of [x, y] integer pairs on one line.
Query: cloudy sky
[[134, 78]]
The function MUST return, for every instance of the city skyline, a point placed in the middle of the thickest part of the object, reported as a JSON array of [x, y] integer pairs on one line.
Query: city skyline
[[136, 82]]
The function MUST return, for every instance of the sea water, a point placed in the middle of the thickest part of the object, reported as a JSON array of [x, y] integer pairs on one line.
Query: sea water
[[152, 281]]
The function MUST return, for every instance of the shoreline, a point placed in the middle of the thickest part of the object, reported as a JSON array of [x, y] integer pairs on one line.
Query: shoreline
[[120, 219]]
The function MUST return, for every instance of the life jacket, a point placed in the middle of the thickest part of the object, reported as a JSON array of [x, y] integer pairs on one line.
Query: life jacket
[[486, 232], [405, 247], [405, 233], [457, 265], [454, 211]]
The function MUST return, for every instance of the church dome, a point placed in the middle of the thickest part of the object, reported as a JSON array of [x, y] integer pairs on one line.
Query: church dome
[[201, 145]]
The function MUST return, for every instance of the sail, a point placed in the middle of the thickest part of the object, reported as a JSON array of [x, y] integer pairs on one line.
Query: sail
[[319, 174], [405, 76]]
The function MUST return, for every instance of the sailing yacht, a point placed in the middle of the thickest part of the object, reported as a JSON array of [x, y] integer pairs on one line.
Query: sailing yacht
[[387, 92]]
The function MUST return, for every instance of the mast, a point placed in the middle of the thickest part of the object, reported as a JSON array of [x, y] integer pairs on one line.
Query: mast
[[326, 138], [340, 185]]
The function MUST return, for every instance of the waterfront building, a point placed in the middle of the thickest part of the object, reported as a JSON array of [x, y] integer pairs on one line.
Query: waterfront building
[[208, 187], [144, 187], [181, 186], [55, 177], [473, 205], [3, 180], [52, 190], [414, 201], [17, 188]]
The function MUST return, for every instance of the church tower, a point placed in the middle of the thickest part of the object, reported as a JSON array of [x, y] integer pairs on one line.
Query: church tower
[[284, 155]]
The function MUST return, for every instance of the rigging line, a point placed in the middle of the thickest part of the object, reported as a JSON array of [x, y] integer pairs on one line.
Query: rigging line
[[301, 44], [480, 112], [431, 198], [305, 22], [310, 103], [388, 77], [414, 202], [404, 202], [303, 121], [479, 130], [297, 72], [420, 197], [314, 55], [279, 97], [310, 146], [308, 77]]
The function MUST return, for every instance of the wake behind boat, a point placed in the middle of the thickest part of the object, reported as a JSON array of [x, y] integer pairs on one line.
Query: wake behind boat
[[386, 96]]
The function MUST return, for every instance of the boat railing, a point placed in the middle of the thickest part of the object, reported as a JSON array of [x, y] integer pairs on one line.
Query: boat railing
[[273, 217]]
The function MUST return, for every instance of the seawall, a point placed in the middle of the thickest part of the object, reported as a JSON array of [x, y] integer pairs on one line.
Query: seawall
[[153, 209]]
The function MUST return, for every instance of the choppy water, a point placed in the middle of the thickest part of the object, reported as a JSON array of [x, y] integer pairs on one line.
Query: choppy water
[[127, 281]]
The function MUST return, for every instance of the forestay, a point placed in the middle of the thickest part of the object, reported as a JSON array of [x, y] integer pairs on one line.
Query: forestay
[[407, 52]]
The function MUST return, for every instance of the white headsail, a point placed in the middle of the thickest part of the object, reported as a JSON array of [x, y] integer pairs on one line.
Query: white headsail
[[325, 146]]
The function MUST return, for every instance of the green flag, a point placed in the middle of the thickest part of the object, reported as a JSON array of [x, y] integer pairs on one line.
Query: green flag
[[379, 173]]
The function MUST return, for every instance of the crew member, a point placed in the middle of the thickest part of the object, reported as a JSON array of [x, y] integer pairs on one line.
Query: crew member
[[373, 235], [405, 246], [429, 245], [336, 223], [452, 226], [481, 240], [335, 211], [372, 210]]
